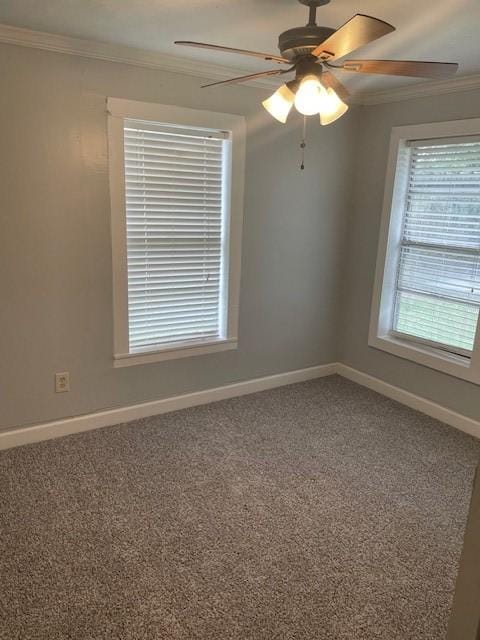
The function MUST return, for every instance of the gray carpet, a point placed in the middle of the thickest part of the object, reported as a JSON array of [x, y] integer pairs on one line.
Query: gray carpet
[[315, 511]]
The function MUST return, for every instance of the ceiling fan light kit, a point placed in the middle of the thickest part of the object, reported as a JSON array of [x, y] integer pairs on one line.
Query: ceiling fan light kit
[[311, 93]]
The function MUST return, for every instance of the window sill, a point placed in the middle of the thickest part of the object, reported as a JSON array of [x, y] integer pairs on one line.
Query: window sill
[[174, 351], [451, 364]]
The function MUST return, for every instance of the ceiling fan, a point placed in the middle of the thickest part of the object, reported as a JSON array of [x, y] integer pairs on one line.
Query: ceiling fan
[[309, 52]]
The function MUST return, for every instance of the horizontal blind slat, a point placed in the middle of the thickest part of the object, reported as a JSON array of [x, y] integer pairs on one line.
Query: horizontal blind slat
[[169, 298], [174, 331], [178, 133]]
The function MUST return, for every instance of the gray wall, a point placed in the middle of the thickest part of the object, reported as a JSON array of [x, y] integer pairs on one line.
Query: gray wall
[[371, 152], [55, 249]]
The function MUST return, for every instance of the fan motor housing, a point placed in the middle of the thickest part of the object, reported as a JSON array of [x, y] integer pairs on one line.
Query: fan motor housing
[[301, 41]]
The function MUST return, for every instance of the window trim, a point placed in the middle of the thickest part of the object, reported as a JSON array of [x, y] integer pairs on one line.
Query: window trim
[[380, 330], [119, 109]]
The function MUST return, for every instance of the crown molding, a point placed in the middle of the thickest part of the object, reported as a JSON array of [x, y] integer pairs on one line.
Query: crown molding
[[126, 55], [421, 90], [173, 64]]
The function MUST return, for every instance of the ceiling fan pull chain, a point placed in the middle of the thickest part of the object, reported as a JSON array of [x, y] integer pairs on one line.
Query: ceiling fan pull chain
[[303, 144]]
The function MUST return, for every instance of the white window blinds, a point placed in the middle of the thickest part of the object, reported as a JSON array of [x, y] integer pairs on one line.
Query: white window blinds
[[438, 279], [175, 233]]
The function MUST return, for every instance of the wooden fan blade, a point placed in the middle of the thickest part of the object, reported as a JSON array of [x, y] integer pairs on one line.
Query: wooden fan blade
[[329, 80], [402, 68], [245, 52], [355, 33], [252, 76]]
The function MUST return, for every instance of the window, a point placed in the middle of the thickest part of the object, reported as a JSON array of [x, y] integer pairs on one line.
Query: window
[[437, 295], [426, 304], [176, 180]]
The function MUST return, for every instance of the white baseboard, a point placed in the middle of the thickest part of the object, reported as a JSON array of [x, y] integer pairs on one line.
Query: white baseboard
[[432, 409], [77, 424], [87, 422]]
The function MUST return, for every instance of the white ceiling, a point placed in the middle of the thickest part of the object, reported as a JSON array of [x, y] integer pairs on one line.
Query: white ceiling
[[443, 30]]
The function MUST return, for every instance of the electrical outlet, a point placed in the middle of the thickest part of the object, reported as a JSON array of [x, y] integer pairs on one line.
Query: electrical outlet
[[62, 382]]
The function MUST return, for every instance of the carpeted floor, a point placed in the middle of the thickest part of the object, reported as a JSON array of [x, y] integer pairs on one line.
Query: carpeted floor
[[315, 511]]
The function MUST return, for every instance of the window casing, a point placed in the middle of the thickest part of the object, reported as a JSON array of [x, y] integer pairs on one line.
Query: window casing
[[427, 288], [176, 184]]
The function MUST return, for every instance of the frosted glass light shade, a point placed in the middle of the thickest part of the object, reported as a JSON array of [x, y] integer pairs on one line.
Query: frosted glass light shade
[[309, 97], [332, 107], [280, 103]]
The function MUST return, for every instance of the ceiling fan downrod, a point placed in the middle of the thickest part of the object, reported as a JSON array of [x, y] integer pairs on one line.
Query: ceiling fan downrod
[[313, 4]]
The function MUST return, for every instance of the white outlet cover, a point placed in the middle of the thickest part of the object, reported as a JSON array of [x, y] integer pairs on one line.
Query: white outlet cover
[[62, 382]]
